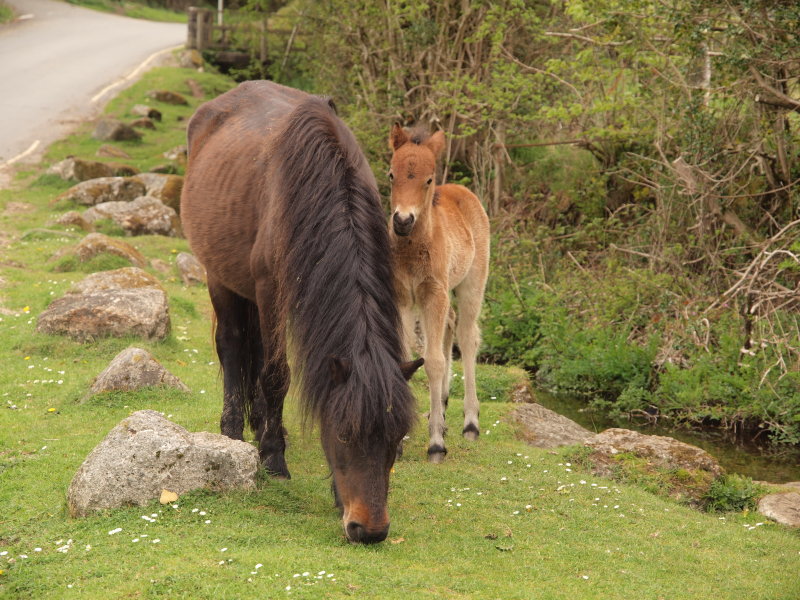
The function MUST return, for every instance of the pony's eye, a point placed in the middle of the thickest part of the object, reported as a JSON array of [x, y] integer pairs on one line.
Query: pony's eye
[[391, 176], [430, 180]]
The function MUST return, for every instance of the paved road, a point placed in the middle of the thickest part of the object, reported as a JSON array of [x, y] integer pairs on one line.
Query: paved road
[[59, 64]]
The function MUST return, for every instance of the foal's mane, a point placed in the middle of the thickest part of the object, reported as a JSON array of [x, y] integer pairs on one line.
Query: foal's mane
[[335, 278]]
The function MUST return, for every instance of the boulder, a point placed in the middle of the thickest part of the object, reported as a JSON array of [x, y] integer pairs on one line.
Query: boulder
[[143, 216], [143, 123], [167, 97], [192, 272], [142, 312], [142, 110], [685, 471], [114, 130], [544, 428], [190, 59], [166, 188], [146, 454], [133, 369], [74, 219], [126, 278], [110, 151], [104, 189], [80, 169], [97, 243], [783, 506]]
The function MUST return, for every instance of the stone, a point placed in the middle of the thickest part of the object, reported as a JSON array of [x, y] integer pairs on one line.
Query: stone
[[133, 369], [179, 154], [142, 312], [126, 278], [142, 110], [782, 507], [192, 272], [144, 216], [190, 59], [167, 97], [123, 170], [143, 123], [104, 189], [97, 243], [146, 454], [661, 451], [109, 151], [166, 188], [114, 130], [165, 169], [543, 428], [73, 218], [80, 169]]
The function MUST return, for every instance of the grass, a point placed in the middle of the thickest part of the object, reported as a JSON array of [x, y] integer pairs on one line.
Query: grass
[[497, 520], [6, 14], [136, 10]]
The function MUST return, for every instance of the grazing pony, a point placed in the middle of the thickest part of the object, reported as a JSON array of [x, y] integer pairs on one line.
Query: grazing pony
[[440, 242], [281, 208]]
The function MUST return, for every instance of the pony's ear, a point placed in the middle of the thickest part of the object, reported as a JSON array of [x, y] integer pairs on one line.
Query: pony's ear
[[436, 143], [340, 369], [397, 137], [409, 368]]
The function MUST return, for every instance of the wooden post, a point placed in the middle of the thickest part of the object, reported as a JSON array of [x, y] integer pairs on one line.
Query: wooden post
[[191, 37]]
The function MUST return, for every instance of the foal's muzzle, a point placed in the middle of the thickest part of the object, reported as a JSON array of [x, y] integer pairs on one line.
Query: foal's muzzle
[[402, 226]]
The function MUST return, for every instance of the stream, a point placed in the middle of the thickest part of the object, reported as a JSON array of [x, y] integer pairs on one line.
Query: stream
[[744, 459]]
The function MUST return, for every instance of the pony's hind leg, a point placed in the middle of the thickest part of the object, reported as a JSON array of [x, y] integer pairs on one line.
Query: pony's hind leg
[[231, 339], [448, 357]]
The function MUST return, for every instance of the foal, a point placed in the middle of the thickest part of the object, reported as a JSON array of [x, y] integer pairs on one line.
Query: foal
[[440, 242]]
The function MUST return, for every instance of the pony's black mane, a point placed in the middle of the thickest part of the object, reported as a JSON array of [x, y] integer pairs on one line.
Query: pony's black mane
[[337, 290]]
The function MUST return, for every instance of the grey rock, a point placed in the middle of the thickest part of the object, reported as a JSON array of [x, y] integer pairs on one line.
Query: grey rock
[[782, 507], [113, 130], [166, 188], [110, 151], [104, 189], [80, 169], [144, 216], [192, 272], [544, 428], [146, 454], [95, 244], [73, 218], [167, 97], [142, 312], [661, 451], [118, 279], [142, 110], [143, 123], [133, 369]]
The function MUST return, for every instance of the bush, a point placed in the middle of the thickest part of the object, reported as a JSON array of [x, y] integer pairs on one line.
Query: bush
[[732, 493]]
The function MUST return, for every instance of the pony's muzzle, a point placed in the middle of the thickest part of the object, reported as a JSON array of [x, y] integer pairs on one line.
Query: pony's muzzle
[[402, 225], [359, 534]]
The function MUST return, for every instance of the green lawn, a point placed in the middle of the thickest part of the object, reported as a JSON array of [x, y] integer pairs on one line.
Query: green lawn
[[497, 520]]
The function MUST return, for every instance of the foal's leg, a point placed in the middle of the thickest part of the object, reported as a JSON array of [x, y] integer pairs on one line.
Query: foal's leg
[[448, 356], [274, 383], [231, 341], [435, 309], [470, 297]]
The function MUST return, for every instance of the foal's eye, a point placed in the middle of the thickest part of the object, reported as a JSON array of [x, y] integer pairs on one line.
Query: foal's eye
[[430, 181], [391, 176]]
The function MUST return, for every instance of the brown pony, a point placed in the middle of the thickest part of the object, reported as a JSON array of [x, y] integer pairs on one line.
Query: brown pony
[[440, 242], [280, 206]]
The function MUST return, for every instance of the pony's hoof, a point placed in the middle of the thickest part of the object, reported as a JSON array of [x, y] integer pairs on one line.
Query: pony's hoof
[[436, 454], [471, 432], [275, 466]]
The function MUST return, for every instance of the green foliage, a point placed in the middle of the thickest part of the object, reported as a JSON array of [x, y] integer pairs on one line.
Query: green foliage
[[733, 493]]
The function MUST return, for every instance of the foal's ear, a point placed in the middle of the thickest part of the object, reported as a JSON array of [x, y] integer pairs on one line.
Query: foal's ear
[[397, 137], [436, 143], [409, 368], [340, 369]]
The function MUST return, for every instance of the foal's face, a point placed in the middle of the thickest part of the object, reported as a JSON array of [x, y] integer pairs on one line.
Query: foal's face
[[412, 173]]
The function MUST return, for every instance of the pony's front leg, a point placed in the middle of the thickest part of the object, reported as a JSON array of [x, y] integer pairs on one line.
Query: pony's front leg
[[435, 310]]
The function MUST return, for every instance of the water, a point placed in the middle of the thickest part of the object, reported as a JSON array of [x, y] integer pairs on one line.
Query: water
[[744, 459]]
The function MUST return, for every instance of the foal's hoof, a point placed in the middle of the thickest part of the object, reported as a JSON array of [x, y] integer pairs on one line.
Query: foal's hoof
[[471, 432], [436, 454]]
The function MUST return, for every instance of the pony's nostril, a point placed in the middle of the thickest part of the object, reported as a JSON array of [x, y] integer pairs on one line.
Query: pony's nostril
[[402, 225], [357, 533]]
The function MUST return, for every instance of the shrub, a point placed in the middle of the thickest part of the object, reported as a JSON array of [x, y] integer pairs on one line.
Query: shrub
[[731, 493]]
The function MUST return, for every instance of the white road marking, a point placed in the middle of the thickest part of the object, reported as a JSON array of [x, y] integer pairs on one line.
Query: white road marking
[[19, 157], [133, 74]]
